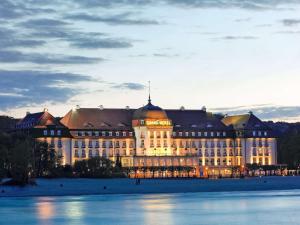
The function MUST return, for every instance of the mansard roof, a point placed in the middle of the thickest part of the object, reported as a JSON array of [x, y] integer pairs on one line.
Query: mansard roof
[[96, 118], [195, 120], [246, 122], [121, 119]]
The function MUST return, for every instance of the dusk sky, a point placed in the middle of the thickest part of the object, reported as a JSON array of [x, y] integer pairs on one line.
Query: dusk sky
[[231, 56]]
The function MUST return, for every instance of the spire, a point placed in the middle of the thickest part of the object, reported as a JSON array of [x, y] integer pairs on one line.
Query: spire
[[149, 86]]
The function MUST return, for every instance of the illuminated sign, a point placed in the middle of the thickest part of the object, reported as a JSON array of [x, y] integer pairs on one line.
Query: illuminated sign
[[158, 123]]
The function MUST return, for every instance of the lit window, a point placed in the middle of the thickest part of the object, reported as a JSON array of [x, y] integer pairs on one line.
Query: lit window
[[211, 134], [117, 133], [218, 134], [205, 134], [199, 134], [103, 133], [130, 134], [59, 132], [174, 134], [124, 134], [224, 134], [254, 133], [90, 133], [266, 133], [193, 134], [97, 133], [52, 132], [186, 134], [259, 133], [45, 132], [180, 134]]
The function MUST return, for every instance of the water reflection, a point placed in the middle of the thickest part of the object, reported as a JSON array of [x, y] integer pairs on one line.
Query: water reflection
[[157, 210], [247, 208], [45, 209]]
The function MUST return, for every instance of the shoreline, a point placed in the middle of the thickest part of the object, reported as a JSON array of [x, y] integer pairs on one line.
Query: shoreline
[[81, 186]]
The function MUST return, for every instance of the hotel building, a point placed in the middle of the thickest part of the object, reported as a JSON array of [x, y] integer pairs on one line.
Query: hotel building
[[151, 137]]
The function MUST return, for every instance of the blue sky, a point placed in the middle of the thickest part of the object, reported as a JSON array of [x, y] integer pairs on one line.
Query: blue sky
[[231, 56]]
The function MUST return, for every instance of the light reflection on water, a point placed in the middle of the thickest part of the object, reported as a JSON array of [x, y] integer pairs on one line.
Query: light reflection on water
[[259, 208]]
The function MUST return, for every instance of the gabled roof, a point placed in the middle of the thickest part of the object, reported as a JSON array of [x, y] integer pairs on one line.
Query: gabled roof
[[38, 120], [246, 121]]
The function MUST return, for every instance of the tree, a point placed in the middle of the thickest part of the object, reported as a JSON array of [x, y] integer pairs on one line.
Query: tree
[[20, 158]]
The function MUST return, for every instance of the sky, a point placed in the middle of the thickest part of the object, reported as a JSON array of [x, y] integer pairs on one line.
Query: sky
[[231, 56]]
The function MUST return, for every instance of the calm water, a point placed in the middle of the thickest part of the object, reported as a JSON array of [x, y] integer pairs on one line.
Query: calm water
[[259, 208]]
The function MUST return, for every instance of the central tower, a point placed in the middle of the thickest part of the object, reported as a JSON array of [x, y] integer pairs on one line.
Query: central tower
[[153, 131]]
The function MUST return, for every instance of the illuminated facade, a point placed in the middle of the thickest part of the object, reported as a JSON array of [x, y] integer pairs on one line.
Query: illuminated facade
[[175, 142]]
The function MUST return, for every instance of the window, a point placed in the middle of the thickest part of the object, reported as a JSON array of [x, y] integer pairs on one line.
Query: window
[[180, 134], [45, 132], [193, 134], [103, 133], [174, 134], [117, 133], [59, 132], [199, 134], [142, 143], [96, 133], [205, 134], [165, 143], [52, 132], [130, 134], [151, 143], [224, 134], [211, 134], [259, 133], [218, 134], [124, 134], [266, 133], [110, 133], [90, 133], [254, 133], [186, 134]]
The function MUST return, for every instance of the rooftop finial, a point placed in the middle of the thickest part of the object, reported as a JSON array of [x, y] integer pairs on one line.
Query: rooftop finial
[[149, 86]]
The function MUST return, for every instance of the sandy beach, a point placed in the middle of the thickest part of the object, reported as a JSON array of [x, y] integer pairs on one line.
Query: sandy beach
[[58, 187]]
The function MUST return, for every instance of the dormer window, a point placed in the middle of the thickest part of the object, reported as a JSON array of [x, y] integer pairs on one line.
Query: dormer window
[[45, 132], [117, 133], [180, 134], [110, 133], [199, 134], [259, 133], [52, 132], [218, 134], [59, 132], [96, 133], [254, 133], [103, 133], [211, 134], [186, 134], [266, 133], [193, 134], [224, 134], [194, 125], [124, 134], [205, 134]]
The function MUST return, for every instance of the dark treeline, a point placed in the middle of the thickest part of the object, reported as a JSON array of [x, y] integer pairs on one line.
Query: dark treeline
[[22, 159]]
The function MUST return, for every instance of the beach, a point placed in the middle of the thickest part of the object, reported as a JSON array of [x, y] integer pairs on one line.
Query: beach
[[73, 187]]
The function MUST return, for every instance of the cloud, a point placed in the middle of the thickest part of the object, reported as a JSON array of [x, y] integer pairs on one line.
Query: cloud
[[129, 86], [291, 22], [264, 112], [43, 23], [230, 37], [25, 88], [10, 39], [245, 4], [94, 43], [60, 31], [119, 19], [40, 58]]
